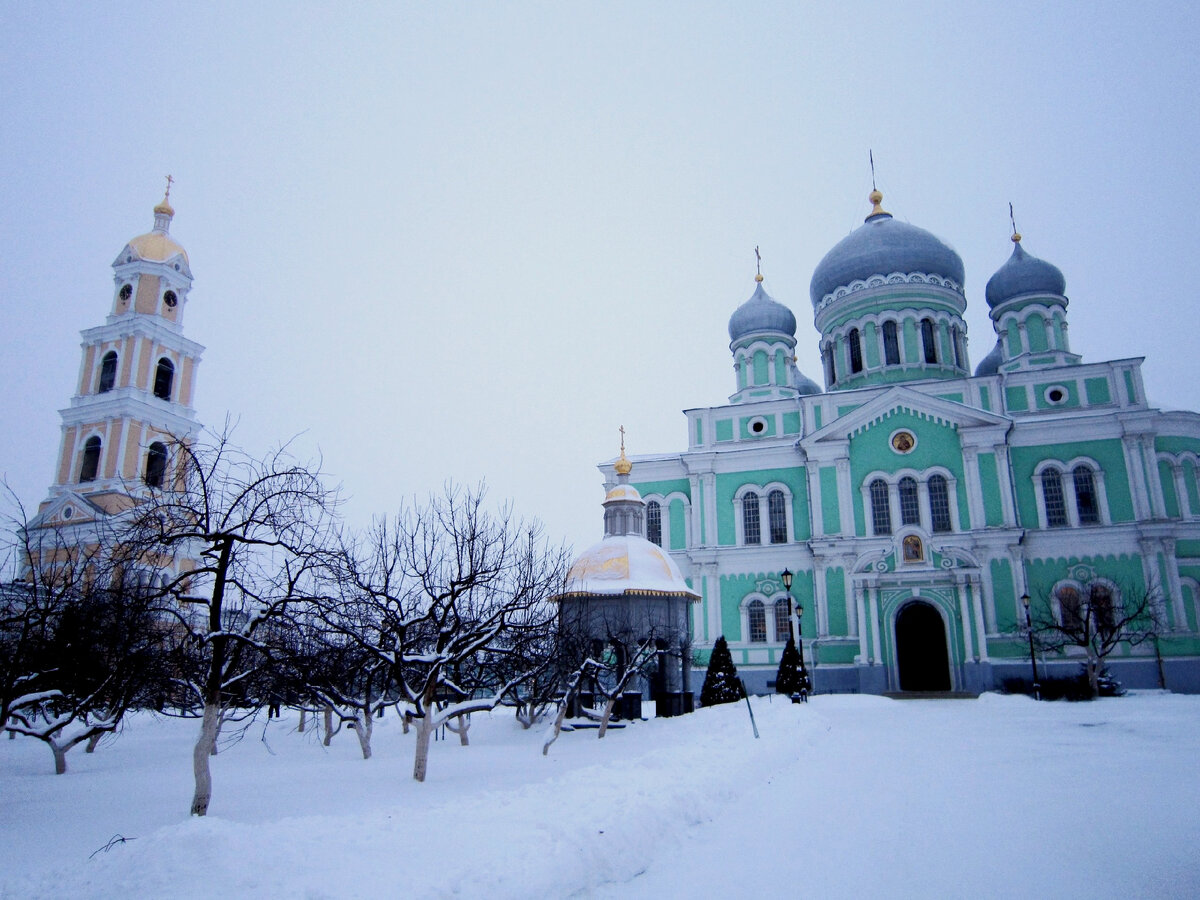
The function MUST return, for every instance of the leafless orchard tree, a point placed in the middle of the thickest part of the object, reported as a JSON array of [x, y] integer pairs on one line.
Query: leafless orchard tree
[[78, 642], [467, 587], [260, 528], [1098, 620]]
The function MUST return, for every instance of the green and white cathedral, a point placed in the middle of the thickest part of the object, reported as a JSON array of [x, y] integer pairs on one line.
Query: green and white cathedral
[[915, 502]]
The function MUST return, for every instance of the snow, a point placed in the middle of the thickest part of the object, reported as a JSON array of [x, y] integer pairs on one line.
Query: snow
[[845, 796]]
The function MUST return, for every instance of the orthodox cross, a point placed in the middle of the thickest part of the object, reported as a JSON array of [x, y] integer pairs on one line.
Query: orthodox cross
[[1011, 219], [871, 156], [757, 262], [170, 181], [622, 430]]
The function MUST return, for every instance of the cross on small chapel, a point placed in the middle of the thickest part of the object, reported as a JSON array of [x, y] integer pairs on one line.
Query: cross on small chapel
[[757, 262], [170, 181]]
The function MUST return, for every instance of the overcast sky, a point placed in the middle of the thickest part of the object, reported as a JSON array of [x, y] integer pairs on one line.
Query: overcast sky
[[468, 241]]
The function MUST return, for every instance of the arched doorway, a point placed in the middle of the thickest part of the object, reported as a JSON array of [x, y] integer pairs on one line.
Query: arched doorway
[[921, 656]]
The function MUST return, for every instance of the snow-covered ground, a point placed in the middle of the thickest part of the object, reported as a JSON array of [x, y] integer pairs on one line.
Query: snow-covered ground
[[848, 796]]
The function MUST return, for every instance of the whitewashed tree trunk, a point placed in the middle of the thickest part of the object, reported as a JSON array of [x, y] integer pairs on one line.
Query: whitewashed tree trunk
[[303, 720], [328, 725], [60, 758], [206, 746], [425, 728], [92, 742], [608, 709], [363, 726], [460, 729]]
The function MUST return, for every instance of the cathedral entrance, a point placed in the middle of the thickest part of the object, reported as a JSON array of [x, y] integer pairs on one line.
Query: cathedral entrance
[[921, 655]]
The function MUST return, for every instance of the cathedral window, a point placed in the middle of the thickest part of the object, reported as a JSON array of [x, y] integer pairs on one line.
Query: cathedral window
[[156, 464], [91, 460], [1069, 606], [751, 530], [1052, 493], [1085, 496], [928, 341], [910, 510], [855, 351], [108, 372], [881, 514], [777, 517], [654, 522], [1100, 598], [891, 344], [783, 620], [939, 504], [164, 377], [756, 617]]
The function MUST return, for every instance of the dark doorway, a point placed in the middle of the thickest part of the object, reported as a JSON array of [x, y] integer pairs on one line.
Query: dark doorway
[[921, 649]]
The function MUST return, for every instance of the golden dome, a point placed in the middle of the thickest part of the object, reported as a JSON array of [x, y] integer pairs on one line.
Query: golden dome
[[157, 246], [623, 492]]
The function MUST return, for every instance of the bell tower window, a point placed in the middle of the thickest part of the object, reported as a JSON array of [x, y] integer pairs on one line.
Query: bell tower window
[[164, 377], [91, 460], [108, 372], [156, 465], [654, 522]]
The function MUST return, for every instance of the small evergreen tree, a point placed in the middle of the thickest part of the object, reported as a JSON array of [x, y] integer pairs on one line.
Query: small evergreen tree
[[789, 679], [721, 684]]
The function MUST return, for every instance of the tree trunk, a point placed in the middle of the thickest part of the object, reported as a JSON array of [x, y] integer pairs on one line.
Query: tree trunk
[[362, 727], [205, 746], [92, 742], [303, 713], [328, 725], [608, 708], [461, 730], [1093, 673], [60, 758], [425, 729]]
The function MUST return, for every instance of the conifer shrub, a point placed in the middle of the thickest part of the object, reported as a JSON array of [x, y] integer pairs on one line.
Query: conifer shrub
[[789, 679], [721, 684]]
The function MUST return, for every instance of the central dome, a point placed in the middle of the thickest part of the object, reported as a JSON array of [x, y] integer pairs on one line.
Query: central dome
[[880, 247]]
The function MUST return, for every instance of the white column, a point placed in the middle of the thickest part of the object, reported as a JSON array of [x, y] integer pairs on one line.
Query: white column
[[845, 501], [974, 487], [876, 627], [708, 484], [965, 616], [1137, 476], [1007, 488], [694, 511], [1157, 501], [819, 597], [816, 518], [860, 604], [1185, 502]]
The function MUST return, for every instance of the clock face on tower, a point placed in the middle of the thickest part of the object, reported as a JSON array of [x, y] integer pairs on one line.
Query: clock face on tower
[[126, 291], [170, 299]]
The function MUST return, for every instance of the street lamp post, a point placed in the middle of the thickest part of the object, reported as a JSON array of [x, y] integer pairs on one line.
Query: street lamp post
[[798, 611], [1037, 688]]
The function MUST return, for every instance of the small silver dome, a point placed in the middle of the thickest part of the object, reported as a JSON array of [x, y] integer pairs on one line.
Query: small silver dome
[[761, 313], [1024, 274]]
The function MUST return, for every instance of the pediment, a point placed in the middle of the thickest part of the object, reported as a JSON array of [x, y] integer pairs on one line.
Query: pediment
[[905, 400], [67, 510]]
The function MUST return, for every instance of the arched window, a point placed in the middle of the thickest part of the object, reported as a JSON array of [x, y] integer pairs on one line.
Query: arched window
[[891, 345], [783, 620], [751, 530], [91, 460], [855, 351], [156, 465], [1085, 495], [1069, 612], [939, 504], [756, 618], [881, 513], [910, 510], [1052, 492], [164, 377], [654, 522], [777, 517], [928, 342], [1100, 598], [108, 372]]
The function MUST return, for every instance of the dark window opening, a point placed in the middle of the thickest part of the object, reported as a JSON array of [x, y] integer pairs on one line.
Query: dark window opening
[[752, 533], [156, 465], [891, 344], [928, 341], [757, 615], [1052, 492], [108, 372], [777, 517], [1085, 496], [783, 620], [910, 511], [939, 503], [164, 377], [881, 513], [654, 522], [91, 460], [855, 351]]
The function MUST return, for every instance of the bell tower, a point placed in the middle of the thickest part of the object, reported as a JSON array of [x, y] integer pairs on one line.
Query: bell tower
[[133, 398]]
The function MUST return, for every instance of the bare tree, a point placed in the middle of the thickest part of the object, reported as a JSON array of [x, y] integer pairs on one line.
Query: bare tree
[[475, 584], [1097, 620], [258, 529]]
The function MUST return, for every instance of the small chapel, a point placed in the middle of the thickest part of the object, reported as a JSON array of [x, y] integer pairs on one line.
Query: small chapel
[[924, 507]]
